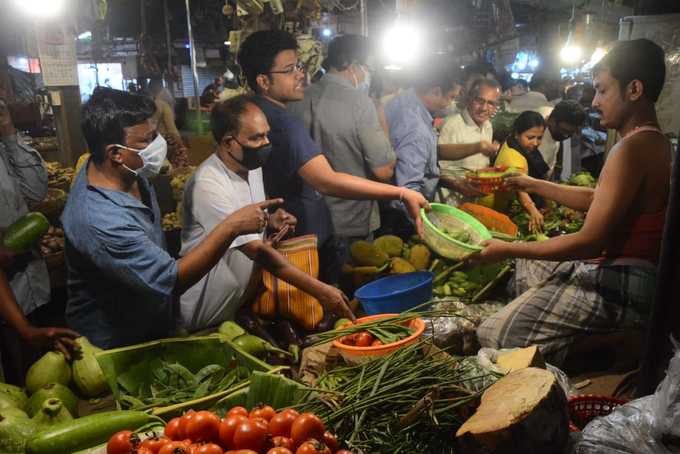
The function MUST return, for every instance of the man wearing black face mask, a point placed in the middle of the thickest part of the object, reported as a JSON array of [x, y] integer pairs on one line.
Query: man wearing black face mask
[[121, 281], [226, 181]]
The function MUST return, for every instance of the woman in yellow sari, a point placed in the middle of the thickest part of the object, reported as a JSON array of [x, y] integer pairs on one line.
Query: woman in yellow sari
[[520, 151]]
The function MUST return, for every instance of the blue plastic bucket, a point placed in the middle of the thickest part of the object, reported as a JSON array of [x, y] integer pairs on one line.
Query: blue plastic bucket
[[393, 294]]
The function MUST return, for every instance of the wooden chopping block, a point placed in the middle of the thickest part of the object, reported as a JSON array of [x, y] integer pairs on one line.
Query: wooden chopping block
[[523, 412]]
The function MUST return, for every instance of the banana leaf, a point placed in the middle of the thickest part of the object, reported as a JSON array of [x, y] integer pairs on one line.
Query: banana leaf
[[129, 370], [268, 388]]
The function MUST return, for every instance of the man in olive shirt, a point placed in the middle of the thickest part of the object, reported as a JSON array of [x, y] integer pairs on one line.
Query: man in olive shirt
[[343, 121]]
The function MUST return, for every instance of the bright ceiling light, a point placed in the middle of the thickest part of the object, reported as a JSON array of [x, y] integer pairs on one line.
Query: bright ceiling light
[[85, 35], [227, 43], [402, 43], [326, 32], [597, 56], [40, 8], [571, 54]]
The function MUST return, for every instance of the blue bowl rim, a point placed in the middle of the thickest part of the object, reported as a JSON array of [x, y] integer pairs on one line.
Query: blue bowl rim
[[428, 280]]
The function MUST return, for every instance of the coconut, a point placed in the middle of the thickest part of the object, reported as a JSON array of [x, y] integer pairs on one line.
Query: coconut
[[15, 431], [50, 368], [52, 412], [50, 391], [87, 374]]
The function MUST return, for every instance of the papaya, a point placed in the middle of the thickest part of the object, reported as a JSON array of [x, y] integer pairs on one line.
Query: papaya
[[389, 244], [420, 257], [366, 254]]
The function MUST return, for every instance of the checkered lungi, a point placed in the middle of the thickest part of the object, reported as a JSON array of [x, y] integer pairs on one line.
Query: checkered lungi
[[561, 302]]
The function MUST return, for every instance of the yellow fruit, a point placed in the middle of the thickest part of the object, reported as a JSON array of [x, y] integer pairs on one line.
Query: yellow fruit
[[365, 254], [420, 257], [400, 266], [389, 244]]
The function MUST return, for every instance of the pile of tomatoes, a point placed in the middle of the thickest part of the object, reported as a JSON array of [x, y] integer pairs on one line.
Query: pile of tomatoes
[[361, 339], [260, 431]]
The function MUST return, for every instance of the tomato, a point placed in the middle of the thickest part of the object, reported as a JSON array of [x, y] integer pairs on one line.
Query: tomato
[[208, 448], [250, 434], [331, 441], [290, 410], [343, 451], [172, 429], [261, 423], [154, 444], [183, 421], [376, 343], [306, 426], [281, 423], [122, 442], [282, 442], [203, 426], [144, 450], [227, 428], [364, 339], [279, 450], [176, 447], [313, 447], [262, 411], [237, 411]]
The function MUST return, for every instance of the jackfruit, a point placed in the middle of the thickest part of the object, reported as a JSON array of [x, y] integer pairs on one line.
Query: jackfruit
[[365, 254], [400, 266], [389, 244], [420, 257]]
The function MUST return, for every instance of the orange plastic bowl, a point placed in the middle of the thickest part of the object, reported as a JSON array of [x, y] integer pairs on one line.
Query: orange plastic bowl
[[355, 354]]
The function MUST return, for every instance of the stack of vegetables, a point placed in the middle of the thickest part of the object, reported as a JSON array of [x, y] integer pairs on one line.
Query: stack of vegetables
[[59, 177], [411, 400], [52, 405]]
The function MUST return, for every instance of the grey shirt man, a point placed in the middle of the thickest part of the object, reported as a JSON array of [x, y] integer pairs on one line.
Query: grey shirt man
[[23, 181], [343, 121]]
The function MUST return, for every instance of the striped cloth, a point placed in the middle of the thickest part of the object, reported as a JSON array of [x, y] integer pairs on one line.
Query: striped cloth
[[561, 302]]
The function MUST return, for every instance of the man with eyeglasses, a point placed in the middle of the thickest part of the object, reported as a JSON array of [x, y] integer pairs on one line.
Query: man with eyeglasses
[[465, 140], [297, 170], [343, 122], [565, 120]]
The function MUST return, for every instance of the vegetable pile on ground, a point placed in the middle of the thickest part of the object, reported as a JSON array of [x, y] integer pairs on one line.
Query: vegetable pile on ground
[[260, 431], [58, 176], [469, 284], [407, 401]]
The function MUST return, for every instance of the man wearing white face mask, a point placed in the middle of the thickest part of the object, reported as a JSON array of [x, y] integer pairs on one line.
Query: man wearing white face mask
[[343, 121], [121, 281]]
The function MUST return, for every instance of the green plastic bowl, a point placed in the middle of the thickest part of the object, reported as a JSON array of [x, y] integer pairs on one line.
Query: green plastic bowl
[[445, 245]]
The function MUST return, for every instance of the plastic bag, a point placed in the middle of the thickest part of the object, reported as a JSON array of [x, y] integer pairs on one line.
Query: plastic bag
[[458, 335], [487, 359], [650, 425]]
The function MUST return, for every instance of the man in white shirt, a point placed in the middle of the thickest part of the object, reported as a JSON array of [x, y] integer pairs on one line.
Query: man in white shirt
[[466, 138], [543, 89], [565, 120], [228, 180]]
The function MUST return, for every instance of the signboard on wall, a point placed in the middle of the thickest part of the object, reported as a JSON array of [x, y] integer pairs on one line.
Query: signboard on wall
[[57, 53]]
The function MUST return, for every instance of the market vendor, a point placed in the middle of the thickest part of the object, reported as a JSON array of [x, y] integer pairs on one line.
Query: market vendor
[[228, 180], [601, 279], [565, 120], [520, 152], [165, 120], [23, 182], [121, 280], [297, 170], [345, 125]]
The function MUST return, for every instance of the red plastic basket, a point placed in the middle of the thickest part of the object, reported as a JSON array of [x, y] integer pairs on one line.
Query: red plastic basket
[[585, 408], [488, 184]]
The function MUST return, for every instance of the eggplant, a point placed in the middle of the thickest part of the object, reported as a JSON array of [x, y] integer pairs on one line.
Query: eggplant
[[287, 332], [254, 325], [327, 322]]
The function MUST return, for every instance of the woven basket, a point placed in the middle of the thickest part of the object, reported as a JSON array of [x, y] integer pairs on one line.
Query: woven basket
[[585, 408]]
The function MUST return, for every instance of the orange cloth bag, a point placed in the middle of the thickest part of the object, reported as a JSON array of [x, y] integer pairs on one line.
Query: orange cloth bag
[[282, 298]]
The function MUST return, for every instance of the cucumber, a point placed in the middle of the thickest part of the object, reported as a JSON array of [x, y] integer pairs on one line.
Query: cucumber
[[85, 432], [25, 232]]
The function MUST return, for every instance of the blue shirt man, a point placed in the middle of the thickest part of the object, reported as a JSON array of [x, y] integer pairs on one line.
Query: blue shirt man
[[415, 143], [120, 277]]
